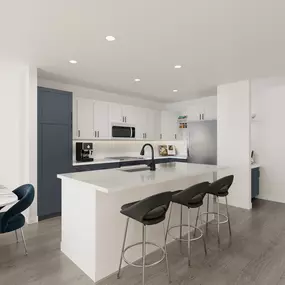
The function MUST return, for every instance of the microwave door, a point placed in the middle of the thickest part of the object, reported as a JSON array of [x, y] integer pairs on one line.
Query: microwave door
[[121, 132]]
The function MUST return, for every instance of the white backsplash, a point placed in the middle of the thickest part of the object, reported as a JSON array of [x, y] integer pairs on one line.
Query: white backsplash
[[104, 149]]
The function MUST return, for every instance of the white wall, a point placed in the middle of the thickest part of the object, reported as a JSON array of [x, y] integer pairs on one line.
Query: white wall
[[268, 136], [18, 126], [234, 139], [99, 95]]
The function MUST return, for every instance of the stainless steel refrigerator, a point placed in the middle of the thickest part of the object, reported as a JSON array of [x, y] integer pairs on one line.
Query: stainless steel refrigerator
[[202, 142]]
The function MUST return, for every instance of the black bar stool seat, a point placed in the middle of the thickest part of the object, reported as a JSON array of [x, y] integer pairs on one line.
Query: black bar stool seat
[[194, 202], [153, 217], [149, 211]]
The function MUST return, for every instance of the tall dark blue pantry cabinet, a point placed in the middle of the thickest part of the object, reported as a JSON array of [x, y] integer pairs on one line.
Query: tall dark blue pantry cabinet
[[54, 147]]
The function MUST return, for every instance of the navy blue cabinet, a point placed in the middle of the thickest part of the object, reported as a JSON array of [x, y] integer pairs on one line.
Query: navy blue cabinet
[[255, 174]]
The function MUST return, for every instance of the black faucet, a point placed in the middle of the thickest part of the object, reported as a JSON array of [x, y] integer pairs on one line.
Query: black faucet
[[152, 164]]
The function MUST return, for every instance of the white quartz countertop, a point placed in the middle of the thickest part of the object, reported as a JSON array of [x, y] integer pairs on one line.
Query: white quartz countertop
[[108, 160], [114, 180]]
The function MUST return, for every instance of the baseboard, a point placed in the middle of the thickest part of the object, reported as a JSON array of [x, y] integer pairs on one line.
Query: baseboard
[[272, 199], [50, 216]]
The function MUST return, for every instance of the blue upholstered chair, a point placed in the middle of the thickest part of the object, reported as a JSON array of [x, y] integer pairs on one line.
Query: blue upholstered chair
[[13, 219]]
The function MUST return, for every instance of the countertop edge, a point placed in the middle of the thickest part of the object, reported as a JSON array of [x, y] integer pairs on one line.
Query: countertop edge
[[96, 187]]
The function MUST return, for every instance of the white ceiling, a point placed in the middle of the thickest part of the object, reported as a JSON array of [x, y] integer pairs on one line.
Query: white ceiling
[[215, 41]]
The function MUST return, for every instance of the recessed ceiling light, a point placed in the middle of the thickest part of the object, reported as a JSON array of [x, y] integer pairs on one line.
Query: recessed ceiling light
[[177, 66], [110, 38], [73, 61], [137, 80], [175, 90]]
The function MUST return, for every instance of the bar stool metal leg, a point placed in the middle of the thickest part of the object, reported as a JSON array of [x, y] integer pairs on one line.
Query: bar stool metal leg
[[218, 204], [123, 248], [168, 223], [16, 236], [24, 241], [144, 253], [181, 218], [189, 237], [166, 255], [196, 224], [208, 206], [229, 222]]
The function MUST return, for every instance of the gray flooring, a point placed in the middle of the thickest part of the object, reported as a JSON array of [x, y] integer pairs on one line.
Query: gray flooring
[[256, 255]]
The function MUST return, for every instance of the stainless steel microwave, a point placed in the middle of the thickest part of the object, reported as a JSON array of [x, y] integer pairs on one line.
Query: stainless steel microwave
[[123, 131]]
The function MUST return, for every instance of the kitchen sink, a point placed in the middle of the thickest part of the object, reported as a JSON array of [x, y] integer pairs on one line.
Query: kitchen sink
[[135, 169]]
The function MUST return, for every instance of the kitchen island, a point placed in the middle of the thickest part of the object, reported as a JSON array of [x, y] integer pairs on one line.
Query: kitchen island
[[92, 226]]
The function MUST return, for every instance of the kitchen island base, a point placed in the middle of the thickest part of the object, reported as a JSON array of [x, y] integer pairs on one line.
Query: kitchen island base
[[93, 228]]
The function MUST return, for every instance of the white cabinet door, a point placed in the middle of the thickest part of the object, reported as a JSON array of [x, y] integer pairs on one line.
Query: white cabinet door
[[116, 113], [194, 112], [152, 128], [140, 123], [130, 113], [210, 108], [84, 119], [169, 126], [101, 120]]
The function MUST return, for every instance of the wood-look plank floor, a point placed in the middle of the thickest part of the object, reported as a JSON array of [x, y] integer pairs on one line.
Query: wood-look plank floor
[[256, 255]]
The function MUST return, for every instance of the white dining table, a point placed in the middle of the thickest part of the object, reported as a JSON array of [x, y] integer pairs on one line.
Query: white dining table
[[7, 197]]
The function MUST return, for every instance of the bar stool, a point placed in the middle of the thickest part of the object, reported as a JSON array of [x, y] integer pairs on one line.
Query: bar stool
[[191, 197], [220, 188], [149, 211]]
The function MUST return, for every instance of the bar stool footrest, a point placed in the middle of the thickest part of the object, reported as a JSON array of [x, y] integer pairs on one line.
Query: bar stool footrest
[[211, 222], [185, 240], [146, 265]]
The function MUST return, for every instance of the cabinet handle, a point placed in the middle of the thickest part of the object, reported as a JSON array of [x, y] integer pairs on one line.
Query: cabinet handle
[[160, 136], [175, 136], [95, 134], [98, 134], [79, 133], [145, 135], [125, 119]]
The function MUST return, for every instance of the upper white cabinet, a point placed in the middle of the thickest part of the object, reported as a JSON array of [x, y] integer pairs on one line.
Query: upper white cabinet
[[147, 124], [129, 112], [202, 109], [194, 112], [122, 114], [101, 120], [169, 126], [116, 113], [84, 119], [210, 108], [92, 121]]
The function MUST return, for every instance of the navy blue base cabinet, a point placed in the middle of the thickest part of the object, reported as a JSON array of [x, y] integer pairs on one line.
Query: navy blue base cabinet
[[255, 174]]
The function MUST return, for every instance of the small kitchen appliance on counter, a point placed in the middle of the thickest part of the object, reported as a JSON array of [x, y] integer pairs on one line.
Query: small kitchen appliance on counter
[[83, 152]]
